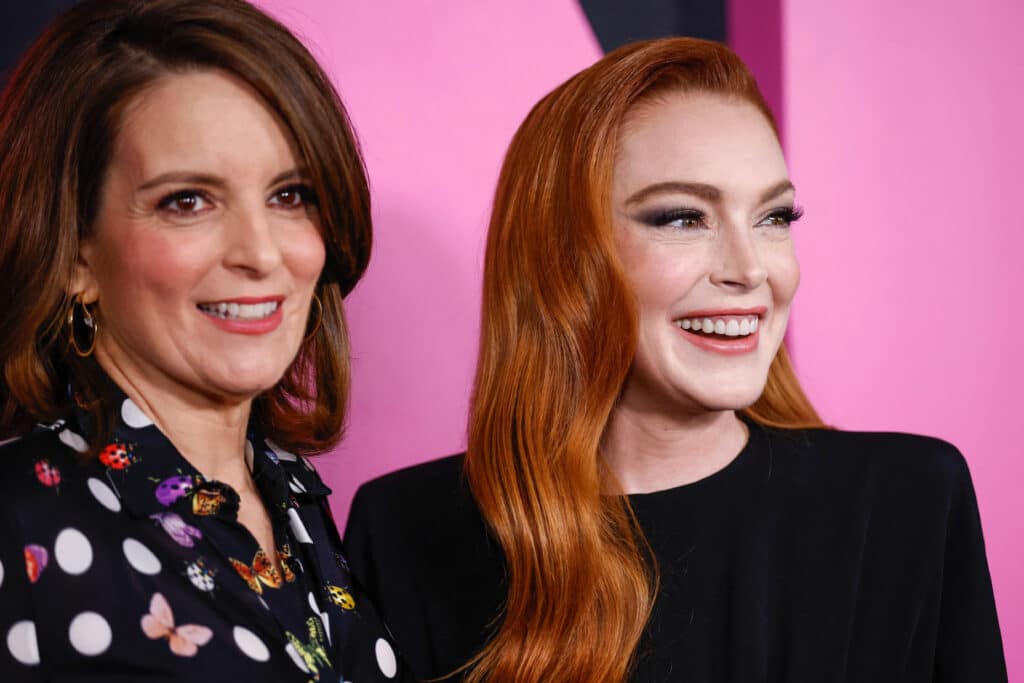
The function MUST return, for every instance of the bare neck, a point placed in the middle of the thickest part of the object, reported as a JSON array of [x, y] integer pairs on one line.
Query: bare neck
[[208, 432], [654, 451]]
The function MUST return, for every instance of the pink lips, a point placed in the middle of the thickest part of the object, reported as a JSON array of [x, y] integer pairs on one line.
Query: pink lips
[[727, 347], [251, 327]]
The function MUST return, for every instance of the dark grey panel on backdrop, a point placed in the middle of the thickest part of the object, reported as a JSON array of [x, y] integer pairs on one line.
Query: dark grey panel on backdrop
[[617, 22], [21, 22]]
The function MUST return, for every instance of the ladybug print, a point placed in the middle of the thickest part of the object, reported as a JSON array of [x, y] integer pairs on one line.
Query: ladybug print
[[200, 577], [341, 597], [47, 474], [118, 456], [174, 488]]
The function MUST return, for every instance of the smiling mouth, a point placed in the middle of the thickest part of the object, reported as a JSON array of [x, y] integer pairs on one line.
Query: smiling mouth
[[721, 327], [237, 311]]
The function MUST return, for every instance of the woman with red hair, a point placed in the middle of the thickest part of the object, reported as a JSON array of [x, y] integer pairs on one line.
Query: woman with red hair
[[648, 493]]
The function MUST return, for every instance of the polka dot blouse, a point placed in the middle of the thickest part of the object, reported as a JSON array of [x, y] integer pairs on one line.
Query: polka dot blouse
[[132, 566]]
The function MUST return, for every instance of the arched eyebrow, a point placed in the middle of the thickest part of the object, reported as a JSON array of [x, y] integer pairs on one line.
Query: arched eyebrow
[[703, 191], [191, 178]]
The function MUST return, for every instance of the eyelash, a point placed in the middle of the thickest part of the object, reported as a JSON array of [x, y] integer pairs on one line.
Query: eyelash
[[663, 219], [304, 192]]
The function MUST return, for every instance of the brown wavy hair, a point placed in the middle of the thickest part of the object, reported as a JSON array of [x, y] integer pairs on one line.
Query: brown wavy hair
[[557, 342], [59, 116]]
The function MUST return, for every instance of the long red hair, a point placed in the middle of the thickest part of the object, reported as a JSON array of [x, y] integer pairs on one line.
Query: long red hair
[[557, 341]]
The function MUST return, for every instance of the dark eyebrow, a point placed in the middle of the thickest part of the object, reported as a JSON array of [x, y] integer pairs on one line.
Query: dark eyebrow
[[184, 177], [702, 190], [293, 174], [776, 190]]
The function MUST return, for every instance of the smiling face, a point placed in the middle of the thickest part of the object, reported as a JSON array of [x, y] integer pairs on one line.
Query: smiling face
[[702, 205], [206, 249]]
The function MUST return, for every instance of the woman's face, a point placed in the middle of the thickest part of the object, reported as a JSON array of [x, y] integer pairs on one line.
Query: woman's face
[[206, 247], [702, 205]]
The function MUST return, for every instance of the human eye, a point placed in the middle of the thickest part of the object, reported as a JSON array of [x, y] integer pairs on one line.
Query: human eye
[[680, 219], [297, 196], [782, 217], [185, 203]]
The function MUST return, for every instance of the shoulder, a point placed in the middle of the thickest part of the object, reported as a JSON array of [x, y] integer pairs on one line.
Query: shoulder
[[886, 464], [435, 479], [38, 461]]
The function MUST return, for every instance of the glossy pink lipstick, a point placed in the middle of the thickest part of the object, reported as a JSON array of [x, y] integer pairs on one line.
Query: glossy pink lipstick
[[726, 331], [245, 315]]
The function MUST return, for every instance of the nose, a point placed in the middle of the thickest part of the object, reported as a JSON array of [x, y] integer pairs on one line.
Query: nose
[[738, 263], [251, 243]]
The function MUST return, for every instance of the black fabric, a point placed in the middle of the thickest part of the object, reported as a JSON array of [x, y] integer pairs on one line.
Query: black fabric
[[133, 566], [617, 23], [814, 556]]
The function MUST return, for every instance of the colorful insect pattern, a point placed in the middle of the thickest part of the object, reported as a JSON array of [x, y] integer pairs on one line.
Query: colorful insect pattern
[[184, 640], [313, 653], [118, 456], [207, 499], [172, 489], [200, 576], [183, 533], [341, 597], [36, 559], [262, 571], [47, 474]]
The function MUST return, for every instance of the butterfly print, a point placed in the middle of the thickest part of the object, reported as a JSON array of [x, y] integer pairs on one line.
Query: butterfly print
[[262, 571], [312, 653], [36, 559], [184, 640], [183, 533]]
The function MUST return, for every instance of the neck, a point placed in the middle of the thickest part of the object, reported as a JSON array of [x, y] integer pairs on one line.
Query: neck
[[208, 431], [652, 451]]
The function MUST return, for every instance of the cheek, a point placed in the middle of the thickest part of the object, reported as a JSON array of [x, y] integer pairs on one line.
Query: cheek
[[784, 275], [151, 264], [305, 255]]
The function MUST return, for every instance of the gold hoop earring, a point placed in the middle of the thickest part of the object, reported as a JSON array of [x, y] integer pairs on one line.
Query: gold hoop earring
[[319, 317], [88, 321]]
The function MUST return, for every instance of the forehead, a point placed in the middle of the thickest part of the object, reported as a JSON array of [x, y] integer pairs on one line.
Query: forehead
[[698, 137], [196, 119]]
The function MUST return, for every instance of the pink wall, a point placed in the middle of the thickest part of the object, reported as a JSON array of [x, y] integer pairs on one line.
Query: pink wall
[[435, 91], [903, 128]]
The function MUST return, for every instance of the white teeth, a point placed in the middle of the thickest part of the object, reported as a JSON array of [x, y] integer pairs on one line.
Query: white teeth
[[236, 311], [728, 326]]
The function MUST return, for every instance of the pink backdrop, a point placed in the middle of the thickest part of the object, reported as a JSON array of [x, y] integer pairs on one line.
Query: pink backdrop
[[902, 128]]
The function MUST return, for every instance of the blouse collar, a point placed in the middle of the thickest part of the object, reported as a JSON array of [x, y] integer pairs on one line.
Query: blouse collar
[[154, 480]]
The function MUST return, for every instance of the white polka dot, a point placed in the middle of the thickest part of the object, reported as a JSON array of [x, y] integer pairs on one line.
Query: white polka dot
[[73, 552], [89, 634], [132, 416], [324, 617], [250, 644], [1, 573], [386, 658], [21, 641], [103, 494], [140, 557], [250, 454], [297, 527], [73, 440], [281, 453], [296, 486], [297, 658]]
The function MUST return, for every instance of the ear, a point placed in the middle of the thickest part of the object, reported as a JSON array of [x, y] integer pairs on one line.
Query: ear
[[83, 280]]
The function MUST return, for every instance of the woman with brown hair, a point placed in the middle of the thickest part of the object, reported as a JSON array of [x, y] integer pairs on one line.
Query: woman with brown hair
[[184, 207], [647, 492]]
